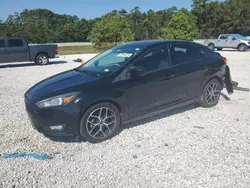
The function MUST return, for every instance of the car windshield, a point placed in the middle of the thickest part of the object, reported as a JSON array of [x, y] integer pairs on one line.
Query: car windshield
[[111, 60], [238, 36]]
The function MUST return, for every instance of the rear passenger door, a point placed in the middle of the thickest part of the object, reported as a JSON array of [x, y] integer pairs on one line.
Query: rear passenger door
[[3, 52], [17, 50], [187, 61]]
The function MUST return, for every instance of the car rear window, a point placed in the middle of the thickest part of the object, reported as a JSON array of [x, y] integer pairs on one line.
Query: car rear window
[[15, 43], [2, 43], [205, 52], [183, 53]]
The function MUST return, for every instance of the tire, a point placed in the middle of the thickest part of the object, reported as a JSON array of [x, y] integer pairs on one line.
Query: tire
[[42, 59], [213, 89], [93, 126], [242, 47], [211, 47], [219, 49]]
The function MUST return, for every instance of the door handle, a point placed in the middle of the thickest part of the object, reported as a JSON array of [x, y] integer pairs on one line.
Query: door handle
[[2, 50], [203, 67], [169, 76]]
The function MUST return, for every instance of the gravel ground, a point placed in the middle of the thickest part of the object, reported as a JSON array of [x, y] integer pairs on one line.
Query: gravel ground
[[187, 147]]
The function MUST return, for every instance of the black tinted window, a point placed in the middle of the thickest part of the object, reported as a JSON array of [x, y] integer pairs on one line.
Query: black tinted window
[[205, 52], [223, 37], [2, 43], [15, 42], [156, 59], [183, 53]]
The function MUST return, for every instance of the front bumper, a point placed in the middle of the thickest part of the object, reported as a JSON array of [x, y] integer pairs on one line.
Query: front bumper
[[44, 120]]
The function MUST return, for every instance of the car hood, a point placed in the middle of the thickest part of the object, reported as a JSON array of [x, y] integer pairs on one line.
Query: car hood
[[245, 41], [65, 82]]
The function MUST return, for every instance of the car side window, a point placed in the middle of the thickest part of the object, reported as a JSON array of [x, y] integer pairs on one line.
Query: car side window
[[231, 37], [184, 53], [205, 52], [2, 43], [223, 37], [156, 59], [15, 43]]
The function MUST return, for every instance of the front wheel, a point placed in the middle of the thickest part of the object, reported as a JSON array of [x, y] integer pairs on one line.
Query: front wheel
[[219, 49], [100, 122], [42, 59], [211, 94], [243, 47]]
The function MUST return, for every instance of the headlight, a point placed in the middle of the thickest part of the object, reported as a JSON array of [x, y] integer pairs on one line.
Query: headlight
[[57, 100]]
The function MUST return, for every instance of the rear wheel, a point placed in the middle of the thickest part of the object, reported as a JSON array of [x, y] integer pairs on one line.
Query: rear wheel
[[211, 46], [42, 59], [243, 47], [211, 94], [100, 122]]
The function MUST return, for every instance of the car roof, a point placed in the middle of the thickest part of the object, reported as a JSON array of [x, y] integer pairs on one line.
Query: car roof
[[151, 43], [231, 34]]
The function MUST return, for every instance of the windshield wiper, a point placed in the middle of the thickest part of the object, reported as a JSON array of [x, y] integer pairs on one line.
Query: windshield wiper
[[85, 71]]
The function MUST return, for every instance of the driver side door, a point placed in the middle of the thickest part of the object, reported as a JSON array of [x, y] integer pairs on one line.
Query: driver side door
[[154, 90], [222, 41], [3, 52]]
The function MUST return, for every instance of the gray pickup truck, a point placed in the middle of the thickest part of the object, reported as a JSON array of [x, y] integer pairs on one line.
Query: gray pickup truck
[[18, 50], [235, 41]]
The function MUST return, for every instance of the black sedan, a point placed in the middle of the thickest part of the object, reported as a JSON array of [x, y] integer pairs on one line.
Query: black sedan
[[126, 83]]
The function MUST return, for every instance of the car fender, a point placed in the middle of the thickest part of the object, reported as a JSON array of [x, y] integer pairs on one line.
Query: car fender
[[243, 42]]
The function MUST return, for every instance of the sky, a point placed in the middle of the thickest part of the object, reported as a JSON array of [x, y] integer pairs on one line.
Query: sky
[[87, 9]]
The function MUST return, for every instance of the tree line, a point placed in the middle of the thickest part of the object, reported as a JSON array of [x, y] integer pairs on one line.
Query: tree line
[[206, 19]]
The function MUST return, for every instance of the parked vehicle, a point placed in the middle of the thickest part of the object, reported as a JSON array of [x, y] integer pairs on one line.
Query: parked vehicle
[[18, 50], [235, 41], [124, 84]]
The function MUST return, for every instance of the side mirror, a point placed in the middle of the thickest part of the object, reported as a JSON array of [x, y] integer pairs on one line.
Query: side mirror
[[137, 72], [233, 38], [96, 63]]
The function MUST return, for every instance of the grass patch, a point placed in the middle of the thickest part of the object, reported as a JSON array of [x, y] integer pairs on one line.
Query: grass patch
[[67, 50]]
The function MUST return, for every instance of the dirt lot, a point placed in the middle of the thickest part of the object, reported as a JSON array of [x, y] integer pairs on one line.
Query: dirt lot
[[187, 147]]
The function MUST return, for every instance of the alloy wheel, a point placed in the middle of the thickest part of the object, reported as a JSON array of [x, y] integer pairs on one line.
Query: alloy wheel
[[101, 122], [42, 60], [213, 93]]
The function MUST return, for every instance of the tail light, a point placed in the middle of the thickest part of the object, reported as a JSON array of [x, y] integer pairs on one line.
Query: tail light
[[56, 49], [224, 60]]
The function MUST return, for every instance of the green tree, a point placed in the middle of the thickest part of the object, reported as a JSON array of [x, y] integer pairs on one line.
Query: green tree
[[210, 17], [199, 3], [236, 16], [135, 19], [181, 26], [42, 25], [110, 29], [123, 12]]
